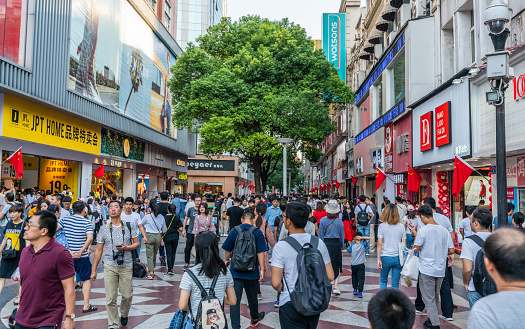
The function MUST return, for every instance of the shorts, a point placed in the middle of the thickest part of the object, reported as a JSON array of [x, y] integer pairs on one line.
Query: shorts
[[83, 268]]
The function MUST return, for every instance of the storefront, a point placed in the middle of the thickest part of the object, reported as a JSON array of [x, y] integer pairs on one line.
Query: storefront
[[213, 176], [42, 132], [440, 131], [178, 175]]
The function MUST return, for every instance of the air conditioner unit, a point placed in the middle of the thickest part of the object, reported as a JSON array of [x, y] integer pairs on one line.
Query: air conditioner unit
[[391, 36], [419, 8], [403, 15]]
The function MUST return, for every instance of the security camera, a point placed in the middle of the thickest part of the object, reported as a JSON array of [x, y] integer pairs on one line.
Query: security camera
[[497, 15]]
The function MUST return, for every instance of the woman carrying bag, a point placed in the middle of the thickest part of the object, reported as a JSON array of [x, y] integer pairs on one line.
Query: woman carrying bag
[[155, 225], [171, 237], [264, 226], [391, 239], [332, 232]]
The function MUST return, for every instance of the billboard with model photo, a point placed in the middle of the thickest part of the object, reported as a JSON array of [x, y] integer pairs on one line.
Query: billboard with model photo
[[115, 59]]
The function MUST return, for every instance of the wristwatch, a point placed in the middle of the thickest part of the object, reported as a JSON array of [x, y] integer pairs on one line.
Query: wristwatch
[[71, 316]]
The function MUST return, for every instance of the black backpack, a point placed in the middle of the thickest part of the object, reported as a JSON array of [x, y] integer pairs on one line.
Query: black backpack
[[362, 216], [312, 291], [483, 283], [209, 305], [244, 255]]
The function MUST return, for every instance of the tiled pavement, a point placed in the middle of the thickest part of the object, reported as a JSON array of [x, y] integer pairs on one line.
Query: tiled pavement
[[154, 302]]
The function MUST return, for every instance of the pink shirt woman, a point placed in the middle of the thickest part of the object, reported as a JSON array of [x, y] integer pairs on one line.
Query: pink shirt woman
[[203, 221]]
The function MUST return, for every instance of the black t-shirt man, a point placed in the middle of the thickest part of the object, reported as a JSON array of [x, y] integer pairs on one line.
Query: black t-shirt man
[[163, 208], [235, 214]]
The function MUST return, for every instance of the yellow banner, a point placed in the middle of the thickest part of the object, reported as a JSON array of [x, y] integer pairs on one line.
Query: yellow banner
[[31, 122], [58, 175]]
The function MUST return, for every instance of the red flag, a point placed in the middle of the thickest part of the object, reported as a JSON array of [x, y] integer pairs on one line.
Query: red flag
[[99, 172], [328, 185], [354, 180], [337, 184], [321, 187], [462, 171], [380, 178], [144, 175], [414, 180], [240, 183], [244, 185], [312, 189], [17, 162]]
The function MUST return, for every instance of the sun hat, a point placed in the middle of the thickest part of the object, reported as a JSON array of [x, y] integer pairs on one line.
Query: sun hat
[[332, 207], [410, 207]]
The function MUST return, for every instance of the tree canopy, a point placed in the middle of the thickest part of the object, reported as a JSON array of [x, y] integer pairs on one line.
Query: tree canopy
[[246, 84]]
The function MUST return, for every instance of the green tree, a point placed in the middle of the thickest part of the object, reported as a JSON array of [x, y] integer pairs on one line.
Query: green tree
[[251, 82], [276, 178]]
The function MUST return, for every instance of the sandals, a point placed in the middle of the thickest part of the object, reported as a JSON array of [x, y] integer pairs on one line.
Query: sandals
[[91, 308]]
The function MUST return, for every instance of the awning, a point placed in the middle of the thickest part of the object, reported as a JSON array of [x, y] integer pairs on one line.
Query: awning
[[389, 13], [396, 3], [369, 48], [364, 55], [382, 24], [375, 37]]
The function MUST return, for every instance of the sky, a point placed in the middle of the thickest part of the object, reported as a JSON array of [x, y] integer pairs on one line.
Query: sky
[[306, 13]]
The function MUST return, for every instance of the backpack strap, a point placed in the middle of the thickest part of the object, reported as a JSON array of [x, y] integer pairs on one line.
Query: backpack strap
[[204, 294], [314, 241], [294, 243], [129, 228], [479, 241], [238, 229]]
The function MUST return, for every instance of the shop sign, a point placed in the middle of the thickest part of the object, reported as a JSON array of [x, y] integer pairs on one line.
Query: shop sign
[[443, 124], [34, 123], [510, 194], [58, 175], [399, 179], [425, 125], [520, 169], [389, 148], [377, 159], [181, 163], [212, 165], [115, 163], [402, 143], [359, 165], [334, 41], [462, 150], [519, 86], [122, 146], [183, 176]]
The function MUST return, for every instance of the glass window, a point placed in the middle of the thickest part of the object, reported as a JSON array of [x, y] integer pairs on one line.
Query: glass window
[[399, 80], [13, 26], [472, 38], [167, 14]]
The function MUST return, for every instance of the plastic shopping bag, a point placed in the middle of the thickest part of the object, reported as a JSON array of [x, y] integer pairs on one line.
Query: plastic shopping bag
[[411, 267]]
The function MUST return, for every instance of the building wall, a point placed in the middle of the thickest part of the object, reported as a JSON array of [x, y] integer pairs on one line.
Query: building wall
[[194, 17]]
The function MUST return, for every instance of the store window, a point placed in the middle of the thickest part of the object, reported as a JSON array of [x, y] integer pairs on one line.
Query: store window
[[111, 183], [399, 81], [207, 188], [14, 36]]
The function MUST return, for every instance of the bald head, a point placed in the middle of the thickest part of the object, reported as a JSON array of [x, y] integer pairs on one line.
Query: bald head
[[504, 248]]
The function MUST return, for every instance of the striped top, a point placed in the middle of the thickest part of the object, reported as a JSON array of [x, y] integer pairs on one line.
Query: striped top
[[76, 229]]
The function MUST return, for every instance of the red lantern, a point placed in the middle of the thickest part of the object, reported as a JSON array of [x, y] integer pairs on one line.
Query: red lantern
[[490, 173], [490, 199], [490, 189]]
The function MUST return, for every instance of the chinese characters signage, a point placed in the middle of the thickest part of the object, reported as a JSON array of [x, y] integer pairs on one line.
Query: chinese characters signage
[[58, 175], [31, 122], [425, 125], [213, 165], [443, 124]]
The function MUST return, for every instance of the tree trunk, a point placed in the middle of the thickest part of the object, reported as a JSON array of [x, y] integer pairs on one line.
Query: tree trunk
[[257, 174], [264, 179]]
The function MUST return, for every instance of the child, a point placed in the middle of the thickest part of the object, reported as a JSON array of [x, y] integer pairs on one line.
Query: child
[[358, 263]]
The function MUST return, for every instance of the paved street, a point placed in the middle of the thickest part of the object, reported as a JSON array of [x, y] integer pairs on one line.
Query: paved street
[[154, 302]]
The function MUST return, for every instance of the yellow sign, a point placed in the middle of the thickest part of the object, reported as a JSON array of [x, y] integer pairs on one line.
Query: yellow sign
[[183, 176], [9, 172], [58, 175], [31, 122]]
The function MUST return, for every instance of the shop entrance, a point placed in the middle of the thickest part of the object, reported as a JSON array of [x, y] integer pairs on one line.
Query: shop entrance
[[207, 188]]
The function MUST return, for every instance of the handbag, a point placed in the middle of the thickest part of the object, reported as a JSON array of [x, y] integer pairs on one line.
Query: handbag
[[402, 249], [139, 269], [181, 320], [411, 267]]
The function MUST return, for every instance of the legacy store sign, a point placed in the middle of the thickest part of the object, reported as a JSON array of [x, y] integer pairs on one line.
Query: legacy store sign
[[212, 165]]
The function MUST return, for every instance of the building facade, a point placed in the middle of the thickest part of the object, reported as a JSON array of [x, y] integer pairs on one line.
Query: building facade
[[195, 16], [79, 89]]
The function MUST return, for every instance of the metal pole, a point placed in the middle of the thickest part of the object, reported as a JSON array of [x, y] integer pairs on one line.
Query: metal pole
[[501, 163], [290, 181], [285, 165]]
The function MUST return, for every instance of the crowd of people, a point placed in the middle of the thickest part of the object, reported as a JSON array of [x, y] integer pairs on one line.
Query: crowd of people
[[294, 243]]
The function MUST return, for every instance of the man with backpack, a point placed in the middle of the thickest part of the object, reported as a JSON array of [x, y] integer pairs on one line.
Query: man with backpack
[[306, 291], [363, 215], [505, 263], [245, 245], [472, 255], [116, 241]]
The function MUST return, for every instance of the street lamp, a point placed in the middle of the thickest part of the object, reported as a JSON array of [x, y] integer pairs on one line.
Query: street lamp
[[497, 15], [285, 142]]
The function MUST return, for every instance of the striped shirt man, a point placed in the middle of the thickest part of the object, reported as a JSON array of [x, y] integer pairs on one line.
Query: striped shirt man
[[76, 229]]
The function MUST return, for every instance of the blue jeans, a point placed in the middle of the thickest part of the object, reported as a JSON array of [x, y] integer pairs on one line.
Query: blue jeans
[[390, 263], [473, 297], [140, 246], [410, 240], [366, 232]]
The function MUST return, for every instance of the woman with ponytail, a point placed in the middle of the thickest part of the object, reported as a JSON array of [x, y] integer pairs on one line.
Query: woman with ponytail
[[264, 226]]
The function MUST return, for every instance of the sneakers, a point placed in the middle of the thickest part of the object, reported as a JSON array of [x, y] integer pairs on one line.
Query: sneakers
[[336, 292], [276, 304], [427, 324], [355, 291], [185, 267], [368, 254], [359, 295], [123, 321], [442, 316], [149, 277], [420, 312], [259, 296], [255, 322]]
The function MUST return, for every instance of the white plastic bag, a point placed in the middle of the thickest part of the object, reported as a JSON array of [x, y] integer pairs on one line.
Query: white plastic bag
[[411, 267]]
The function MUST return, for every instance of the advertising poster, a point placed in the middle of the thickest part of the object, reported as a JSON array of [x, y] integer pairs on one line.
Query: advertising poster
[[58, 175], [115, 59], [476, 188], [334, 41]]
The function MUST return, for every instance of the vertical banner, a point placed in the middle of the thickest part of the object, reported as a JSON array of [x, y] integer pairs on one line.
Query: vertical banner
[[334, 41], [389, 148]]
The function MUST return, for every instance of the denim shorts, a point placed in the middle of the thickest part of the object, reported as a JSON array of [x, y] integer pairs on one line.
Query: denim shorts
[[83, 268]]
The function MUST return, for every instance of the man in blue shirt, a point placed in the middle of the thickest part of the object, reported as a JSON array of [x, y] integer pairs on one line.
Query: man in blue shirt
[[273, 212], [510, 212], [249, 281], [176, 201]]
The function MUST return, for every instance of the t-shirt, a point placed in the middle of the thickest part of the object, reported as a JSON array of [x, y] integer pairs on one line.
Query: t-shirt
[[435, 241], [309, 228], [465, 225], [163, 208], [271, 213], [402, 210], [495, 221], [235, 214], [391, 235], [154, 224], [229, 203], [503, 310], [5, 211], [64, 213], [134, 219], [413, 221], [104, 236], [440, 219], [41, 274], [284, 256], [172, 232], [469, 251], [189, 205], [76, 229], [15, 240], [357, 250], [188, 284], [191, 213], [260, 242]]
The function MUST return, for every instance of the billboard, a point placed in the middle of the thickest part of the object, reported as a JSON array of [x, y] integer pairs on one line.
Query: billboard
[[334, 41], [116, 60]]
